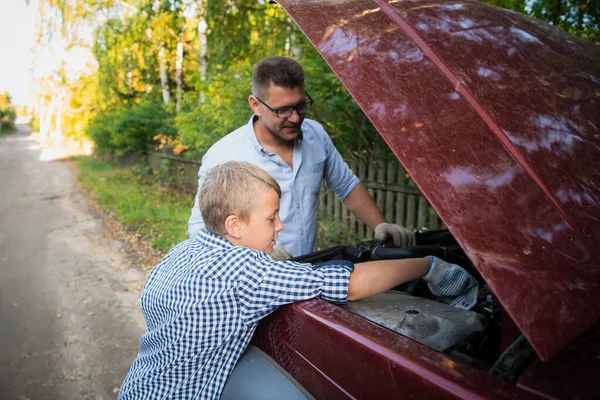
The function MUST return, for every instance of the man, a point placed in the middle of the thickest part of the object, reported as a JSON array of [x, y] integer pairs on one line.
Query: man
[[299, 154]]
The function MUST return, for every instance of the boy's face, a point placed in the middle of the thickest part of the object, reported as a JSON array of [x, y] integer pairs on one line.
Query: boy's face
[[264, 225]]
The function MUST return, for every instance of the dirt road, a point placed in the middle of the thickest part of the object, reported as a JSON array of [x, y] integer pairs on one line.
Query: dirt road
[[69, 293]]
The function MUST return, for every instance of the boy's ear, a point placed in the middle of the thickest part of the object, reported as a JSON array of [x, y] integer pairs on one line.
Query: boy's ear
[[232, 226]]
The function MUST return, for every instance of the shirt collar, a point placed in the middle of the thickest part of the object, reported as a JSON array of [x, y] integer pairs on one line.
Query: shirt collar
[[209, 239], [256, 144]]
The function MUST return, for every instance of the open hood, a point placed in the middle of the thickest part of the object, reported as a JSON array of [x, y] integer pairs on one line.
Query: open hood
[[496, 117]]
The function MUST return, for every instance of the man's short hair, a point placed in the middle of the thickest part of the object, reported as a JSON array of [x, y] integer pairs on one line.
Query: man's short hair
[[231, 189], [281, 71]]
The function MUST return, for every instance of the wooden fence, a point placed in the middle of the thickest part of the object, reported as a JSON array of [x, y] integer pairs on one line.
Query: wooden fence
[[395, 194]]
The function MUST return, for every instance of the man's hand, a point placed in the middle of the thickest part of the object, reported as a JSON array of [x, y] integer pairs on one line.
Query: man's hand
[[402, 237], [280, 253], [451, 284]]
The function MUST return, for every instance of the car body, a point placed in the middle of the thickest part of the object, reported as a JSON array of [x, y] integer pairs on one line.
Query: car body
[[496, 116]]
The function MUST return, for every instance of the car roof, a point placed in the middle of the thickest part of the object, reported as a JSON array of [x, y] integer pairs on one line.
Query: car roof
[[496, 117]]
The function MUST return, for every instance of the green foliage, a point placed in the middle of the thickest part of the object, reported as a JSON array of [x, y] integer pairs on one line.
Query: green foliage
[[334, 233], [578, 17], [226, 108], [130, 128], [8, 114], [160, 215], [82, 105], [128, 40], [347, 125]]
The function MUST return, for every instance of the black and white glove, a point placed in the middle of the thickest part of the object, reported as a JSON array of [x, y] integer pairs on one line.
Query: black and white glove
[[451, 284], [402, 237], [280, 253]]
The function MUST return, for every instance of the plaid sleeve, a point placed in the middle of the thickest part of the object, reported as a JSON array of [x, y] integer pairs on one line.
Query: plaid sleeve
[[267, 284]]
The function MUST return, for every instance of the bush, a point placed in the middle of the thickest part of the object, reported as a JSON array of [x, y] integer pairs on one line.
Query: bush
[[130, 128], [7, 119], [7, 113]]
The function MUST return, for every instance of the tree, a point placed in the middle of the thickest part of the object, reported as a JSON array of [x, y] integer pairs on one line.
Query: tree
[[200, 53]]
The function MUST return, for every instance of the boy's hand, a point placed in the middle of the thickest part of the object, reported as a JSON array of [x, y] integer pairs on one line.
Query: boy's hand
[[452, 284], [402, 237], [280, 253]]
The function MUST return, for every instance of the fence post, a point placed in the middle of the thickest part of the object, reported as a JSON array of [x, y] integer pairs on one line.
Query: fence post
[[401, 198], [380, 201], [422, 216], [353, 227], [362, 174], [389, 195], [371, 171]]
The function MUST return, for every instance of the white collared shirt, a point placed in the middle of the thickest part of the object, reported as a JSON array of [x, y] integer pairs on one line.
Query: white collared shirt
[[315, 158]]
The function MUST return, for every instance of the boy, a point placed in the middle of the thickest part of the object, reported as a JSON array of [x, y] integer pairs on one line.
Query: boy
[[202, 302]]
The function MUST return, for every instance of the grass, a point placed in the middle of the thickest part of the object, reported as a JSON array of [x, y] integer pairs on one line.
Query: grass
[[157, 213]]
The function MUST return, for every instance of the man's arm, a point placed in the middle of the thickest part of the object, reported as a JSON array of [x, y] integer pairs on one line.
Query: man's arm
[[346, 185], [361, 204]]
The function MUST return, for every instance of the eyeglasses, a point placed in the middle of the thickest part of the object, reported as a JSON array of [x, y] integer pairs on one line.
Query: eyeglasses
[[285, 112]]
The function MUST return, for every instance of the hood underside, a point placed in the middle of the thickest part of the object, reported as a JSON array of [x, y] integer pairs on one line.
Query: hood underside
[[496, 117]]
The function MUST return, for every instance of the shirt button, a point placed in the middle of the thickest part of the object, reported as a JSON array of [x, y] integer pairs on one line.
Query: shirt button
[[302, 232], [297, 205]]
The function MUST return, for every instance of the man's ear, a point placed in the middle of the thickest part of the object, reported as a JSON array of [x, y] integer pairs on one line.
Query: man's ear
[[232, 226], [254, 104]]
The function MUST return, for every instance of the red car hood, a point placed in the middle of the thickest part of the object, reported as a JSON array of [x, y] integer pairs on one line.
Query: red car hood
[[496, 116]]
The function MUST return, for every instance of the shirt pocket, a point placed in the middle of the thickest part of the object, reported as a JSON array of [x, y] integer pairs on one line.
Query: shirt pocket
[[311, 178], [317, 168]]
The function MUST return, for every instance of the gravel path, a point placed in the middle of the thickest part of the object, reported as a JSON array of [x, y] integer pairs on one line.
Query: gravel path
[[69, 291]]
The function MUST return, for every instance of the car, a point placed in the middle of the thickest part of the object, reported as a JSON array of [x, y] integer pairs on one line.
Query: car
[[496, 116]]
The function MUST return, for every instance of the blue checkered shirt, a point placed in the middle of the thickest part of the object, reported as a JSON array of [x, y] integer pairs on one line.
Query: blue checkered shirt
[[202, 303]]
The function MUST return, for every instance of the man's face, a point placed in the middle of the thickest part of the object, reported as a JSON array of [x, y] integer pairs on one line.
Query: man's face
[[264, 225], [288, 128]]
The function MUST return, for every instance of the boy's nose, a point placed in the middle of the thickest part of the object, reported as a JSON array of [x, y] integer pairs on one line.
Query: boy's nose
[[279, 225]]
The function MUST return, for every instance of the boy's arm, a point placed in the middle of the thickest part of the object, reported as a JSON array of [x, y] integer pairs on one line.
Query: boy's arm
[[267, 284], [371, 278], [449, 282]]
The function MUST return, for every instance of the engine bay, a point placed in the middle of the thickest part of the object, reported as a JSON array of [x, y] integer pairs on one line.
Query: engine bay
[[475, 337]]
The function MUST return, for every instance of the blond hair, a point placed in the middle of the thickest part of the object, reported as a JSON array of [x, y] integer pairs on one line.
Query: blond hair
[[230, 189]]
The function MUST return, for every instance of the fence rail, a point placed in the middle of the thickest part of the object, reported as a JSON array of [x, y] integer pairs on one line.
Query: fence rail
[[395, 194]]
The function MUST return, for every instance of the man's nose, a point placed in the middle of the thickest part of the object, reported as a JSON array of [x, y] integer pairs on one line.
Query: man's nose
[[295, 117]]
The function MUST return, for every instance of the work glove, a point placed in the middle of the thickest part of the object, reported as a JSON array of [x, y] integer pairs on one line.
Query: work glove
[[280, 253], [402, 237], [451, 284]]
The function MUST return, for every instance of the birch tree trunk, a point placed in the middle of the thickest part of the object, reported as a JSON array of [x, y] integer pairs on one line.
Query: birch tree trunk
[[57, 135], [203, 52], [291, 43], [179, 75], [46, 111], [164, 77]]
